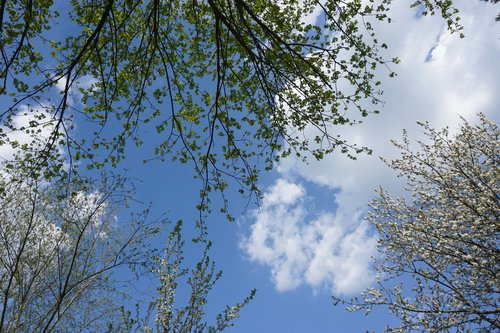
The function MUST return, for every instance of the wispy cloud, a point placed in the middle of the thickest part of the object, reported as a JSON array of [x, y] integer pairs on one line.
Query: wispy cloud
[[36, 124]]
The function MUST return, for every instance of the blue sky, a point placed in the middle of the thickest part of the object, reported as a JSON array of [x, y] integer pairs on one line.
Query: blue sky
[[307, 239]]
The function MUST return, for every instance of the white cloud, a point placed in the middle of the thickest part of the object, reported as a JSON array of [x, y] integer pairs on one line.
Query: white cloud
[[304, 247], [441, 77], [75, 96], [36, 124], [23, 122], [283, 193]]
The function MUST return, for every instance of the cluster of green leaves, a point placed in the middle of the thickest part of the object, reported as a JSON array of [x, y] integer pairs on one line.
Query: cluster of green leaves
[[21, 24], [227, 84], [443, 8]]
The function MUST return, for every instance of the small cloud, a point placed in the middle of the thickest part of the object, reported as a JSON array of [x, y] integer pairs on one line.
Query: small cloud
[[303, 248], [74, 94], [283, 192], [28, 126]]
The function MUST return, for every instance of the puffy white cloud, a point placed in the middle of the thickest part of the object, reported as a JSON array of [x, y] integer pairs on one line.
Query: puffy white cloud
[[305, 247], [440, 78]]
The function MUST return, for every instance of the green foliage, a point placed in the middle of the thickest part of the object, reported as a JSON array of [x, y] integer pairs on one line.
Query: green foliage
[[445, 9], [227, 84]]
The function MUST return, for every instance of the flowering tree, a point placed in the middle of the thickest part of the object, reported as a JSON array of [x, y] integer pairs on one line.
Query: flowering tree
[[58, 246], [439, 263], [169, 313]]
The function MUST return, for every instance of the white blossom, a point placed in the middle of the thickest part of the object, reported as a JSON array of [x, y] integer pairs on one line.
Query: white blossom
[[443, 243]]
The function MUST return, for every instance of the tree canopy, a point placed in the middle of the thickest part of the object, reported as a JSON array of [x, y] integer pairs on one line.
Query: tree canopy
[[439, 257], [58, 248], [227, 84]]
